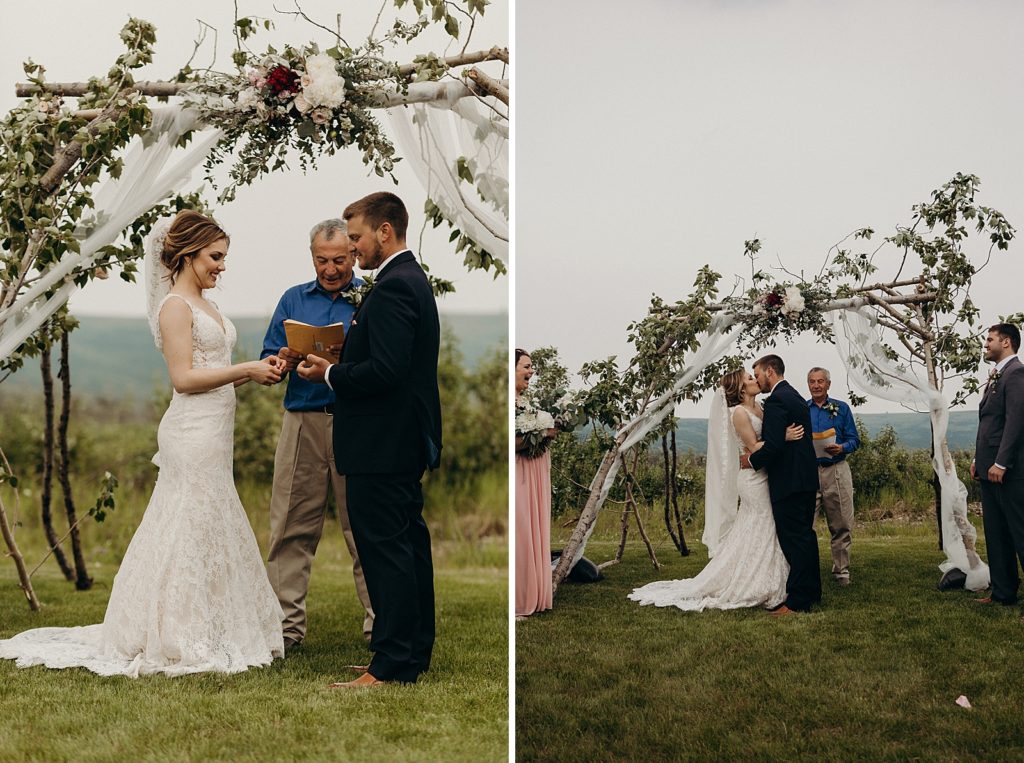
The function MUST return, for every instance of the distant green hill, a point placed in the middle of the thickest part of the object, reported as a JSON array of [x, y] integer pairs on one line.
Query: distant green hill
[[913, 429], [116, 357]]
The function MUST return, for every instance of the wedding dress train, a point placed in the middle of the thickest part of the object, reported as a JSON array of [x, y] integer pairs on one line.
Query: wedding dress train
[[748, 569], [191, 594]]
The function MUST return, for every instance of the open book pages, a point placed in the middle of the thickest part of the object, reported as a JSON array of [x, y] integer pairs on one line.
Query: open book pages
[[822, 440], [314, 340]]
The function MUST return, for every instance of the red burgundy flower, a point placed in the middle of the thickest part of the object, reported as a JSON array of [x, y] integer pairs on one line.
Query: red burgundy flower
[[771, 299], [281, 79]]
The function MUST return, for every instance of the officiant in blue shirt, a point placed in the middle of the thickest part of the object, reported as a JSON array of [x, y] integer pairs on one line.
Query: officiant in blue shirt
[[830, 417], [304, 470]]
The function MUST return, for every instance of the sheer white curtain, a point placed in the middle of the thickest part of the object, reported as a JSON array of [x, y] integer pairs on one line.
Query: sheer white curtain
[[432, 138], [153, 169], [861, 350]]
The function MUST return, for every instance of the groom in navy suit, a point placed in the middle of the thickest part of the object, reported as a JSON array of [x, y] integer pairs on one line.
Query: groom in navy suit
[[792, 482], [387, 431]]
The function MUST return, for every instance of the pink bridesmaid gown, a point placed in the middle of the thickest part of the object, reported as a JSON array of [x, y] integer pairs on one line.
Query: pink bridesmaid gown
[[533, 534]]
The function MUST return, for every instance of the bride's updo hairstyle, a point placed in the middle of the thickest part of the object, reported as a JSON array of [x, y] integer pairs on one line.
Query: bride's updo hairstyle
[[732, 384], [189, 233]]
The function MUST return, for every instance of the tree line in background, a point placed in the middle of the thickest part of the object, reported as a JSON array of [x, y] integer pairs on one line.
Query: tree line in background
[[889, 480]]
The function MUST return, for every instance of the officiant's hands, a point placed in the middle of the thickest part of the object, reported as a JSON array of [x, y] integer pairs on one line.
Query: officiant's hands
[[834, 449], [313, 369], [289, 359]]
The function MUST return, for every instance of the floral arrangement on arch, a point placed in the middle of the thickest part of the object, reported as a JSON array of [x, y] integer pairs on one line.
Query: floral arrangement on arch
[[305, 99], [785, 309]]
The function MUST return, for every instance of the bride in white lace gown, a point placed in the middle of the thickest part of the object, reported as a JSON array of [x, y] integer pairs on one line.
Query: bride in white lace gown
[[191, 594], [747, 567]]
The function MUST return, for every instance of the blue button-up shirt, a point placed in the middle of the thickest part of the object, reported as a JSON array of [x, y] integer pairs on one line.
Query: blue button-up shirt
[[308, 303], [846, 430]]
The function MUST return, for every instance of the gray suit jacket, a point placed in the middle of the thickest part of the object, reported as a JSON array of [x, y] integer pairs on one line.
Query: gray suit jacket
[[1001, 424]]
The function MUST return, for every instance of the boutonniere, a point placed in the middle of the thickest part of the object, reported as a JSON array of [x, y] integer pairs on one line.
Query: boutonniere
[[993, 379], [357, 294], [832, 408]]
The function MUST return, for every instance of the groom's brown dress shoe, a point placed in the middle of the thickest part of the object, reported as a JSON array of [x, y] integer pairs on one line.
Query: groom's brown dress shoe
[[365, 681], [782, 611], [985, 600]]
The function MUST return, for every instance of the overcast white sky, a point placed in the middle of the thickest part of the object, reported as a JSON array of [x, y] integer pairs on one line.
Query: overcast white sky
[[269, 222], [655, 137]]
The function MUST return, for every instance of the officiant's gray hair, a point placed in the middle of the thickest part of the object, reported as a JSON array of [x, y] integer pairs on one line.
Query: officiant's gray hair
[[328, 228], [820, 370]]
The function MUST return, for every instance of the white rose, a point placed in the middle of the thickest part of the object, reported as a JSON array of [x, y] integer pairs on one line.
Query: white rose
[[794, 301], [326, 87], [247, 99]]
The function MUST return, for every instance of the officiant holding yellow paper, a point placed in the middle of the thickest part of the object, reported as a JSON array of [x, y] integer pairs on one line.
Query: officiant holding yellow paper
[[835, 437], [304, 470]]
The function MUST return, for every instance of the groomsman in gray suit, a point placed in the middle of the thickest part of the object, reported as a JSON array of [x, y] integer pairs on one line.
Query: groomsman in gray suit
[[999, 461]]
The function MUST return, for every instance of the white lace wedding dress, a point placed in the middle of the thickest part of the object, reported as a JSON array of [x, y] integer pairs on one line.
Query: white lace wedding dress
[[748, 570], [192, 594]]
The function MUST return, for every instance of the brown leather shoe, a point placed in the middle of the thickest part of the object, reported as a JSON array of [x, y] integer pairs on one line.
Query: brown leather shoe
[[365, 681], [985, 600], [782, 611]]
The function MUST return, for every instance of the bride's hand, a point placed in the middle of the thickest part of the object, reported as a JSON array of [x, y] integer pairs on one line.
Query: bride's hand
[[794, 432], [264, 372]]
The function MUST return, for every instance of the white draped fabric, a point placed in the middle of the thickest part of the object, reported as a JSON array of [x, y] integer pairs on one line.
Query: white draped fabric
[[869, 368], [433, 137], [153, 169]]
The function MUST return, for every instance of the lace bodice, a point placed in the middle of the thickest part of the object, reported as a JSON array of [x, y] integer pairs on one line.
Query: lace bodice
[[211, 345], [755, 421]]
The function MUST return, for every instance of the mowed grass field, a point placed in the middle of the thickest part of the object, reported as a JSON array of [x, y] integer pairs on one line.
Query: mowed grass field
[[871, 674]]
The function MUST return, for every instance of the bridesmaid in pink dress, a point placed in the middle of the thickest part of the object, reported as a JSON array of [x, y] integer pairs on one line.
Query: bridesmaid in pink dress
[[533, 516]]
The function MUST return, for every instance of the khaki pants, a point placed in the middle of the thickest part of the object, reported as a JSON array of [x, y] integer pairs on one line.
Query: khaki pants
[[836, 498], [303, 473]]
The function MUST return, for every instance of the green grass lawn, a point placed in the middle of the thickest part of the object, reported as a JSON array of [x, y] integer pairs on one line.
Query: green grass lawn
[[871, 674], [458, 711]]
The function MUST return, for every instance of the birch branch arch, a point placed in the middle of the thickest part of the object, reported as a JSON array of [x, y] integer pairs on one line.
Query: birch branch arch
[[681, 349]]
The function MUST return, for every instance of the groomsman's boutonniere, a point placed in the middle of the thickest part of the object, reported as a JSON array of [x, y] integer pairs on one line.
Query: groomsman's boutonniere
[[832, 407], [357, 294], [993, 379]]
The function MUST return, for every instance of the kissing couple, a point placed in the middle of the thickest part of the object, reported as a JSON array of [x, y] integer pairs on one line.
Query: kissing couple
[[192, 594], [765, 553]]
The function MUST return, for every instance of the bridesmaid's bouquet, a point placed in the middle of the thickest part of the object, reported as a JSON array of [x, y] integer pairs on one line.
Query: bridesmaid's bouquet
[[536, 418]]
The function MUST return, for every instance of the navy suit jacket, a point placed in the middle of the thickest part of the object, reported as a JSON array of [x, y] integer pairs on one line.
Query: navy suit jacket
[[387, 413], [1001, 424], [792, 466]]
